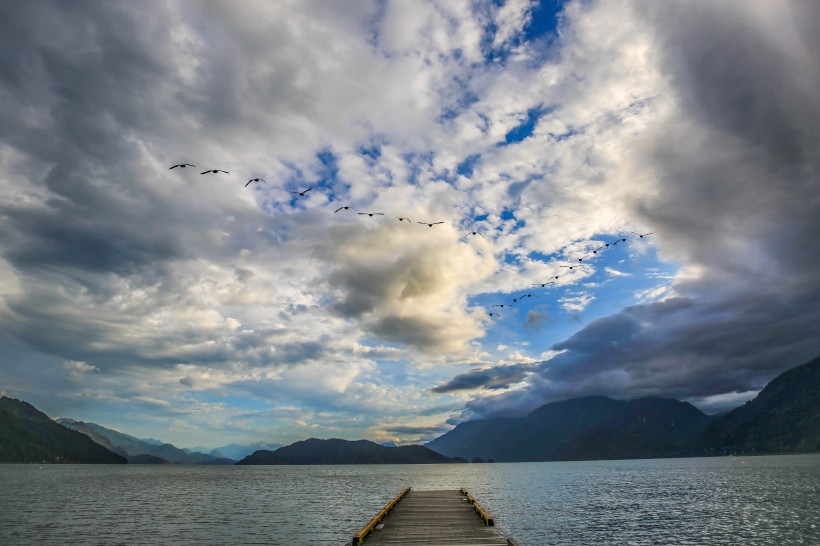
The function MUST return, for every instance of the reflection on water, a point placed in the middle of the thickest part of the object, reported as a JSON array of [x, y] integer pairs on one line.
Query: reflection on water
[[749, 501]]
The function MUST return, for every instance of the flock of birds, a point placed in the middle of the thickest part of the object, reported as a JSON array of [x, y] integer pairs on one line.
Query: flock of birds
[[553, 280]]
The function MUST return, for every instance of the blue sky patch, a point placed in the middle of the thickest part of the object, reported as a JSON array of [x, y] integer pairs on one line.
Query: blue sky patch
[[544, 20], [525, 128], [466, 167]]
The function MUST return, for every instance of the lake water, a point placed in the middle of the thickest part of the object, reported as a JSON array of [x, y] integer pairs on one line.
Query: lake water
[[744, 501]]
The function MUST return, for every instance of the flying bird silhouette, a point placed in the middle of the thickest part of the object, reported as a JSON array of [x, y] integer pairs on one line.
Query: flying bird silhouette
[[255, 180], [302, 193], [521, 297], [214, 171], [370, 213], [429, 224], [473, 233], [183, 165], [644, 235], [501, 305], [402, 219], [613, 243], [544, 284], [341, 208], [494, 315]]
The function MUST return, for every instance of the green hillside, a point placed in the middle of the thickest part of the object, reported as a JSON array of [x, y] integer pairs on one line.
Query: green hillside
[[783, 418], [30, 436]]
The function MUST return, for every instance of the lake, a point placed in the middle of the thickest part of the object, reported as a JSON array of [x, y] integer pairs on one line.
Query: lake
[[743, 500]]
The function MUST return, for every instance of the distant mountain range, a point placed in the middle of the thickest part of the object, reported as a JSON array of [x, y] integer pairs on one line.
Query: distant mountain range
[[27, 436], [783, 418], [335, 451], [235, 451], [140, 451]]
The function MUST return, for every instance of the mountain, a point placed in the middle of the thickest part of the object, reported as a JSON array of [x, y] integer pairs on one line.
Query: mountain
[[646, 428], [334, 451], [783, 418], [139, 451], [240, 451], [29, 436], [593, 427]]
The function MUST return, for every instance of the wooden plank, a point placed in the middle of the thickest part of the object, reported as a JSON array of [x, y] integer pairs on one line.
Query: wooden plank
[[380, 515], [450, 517]]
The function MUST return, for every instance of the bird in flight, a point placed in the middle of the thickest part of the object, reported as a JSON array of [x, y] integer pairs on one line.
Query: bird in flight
[[402, 219], [302, 193], [600, 248], [501, 305], [543, 284], [494, 315], [473, 233], [371, 214], [341, 208], [622, 240], [255, 180], [641, 236], [214, 171], [570, 267], [183, 165], [522, 297], [429, 224]]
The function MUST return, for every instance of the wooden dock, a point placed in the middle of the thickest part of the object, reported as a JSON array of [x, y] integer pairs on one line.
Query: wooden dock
[[451, 517]]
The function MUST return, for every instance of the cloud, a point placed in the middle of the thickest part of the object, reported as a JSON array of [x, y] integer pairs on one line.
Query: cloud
[[698, 124], [535, 320], [677, 348], [719, 403], [406, 283], [78, 366], [612, 272], [723, 158], [576, 302], [421, 432], [490, 378]]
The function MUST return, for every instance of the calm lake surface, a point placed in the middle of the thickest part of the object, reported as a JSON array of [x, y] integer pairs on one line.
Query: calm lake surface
[[744, 501]]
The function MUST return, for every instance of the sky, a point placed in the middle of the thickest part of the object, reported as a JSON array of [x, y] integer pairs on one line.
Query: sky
[[200, 310]]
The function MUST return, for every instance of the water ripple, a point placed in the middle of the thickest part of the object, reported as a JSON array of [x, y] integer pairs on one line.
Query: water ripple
[[753, 501]]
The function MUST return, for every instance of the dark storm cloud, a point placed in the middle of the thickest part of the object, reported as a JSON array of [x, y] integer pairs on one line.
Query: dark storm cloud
[[738, 193], [297, 352], [76, 83], [737, 202], [487, 378], [95, 229]]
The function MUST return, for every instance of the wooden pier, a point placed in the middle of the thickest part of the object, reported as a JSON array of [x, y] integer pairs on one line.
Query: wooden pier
[[451, 517]]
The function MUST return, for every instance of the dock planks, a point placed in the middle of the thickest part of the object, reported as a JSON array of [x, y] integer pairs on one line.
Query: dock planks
[[434, 517]]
